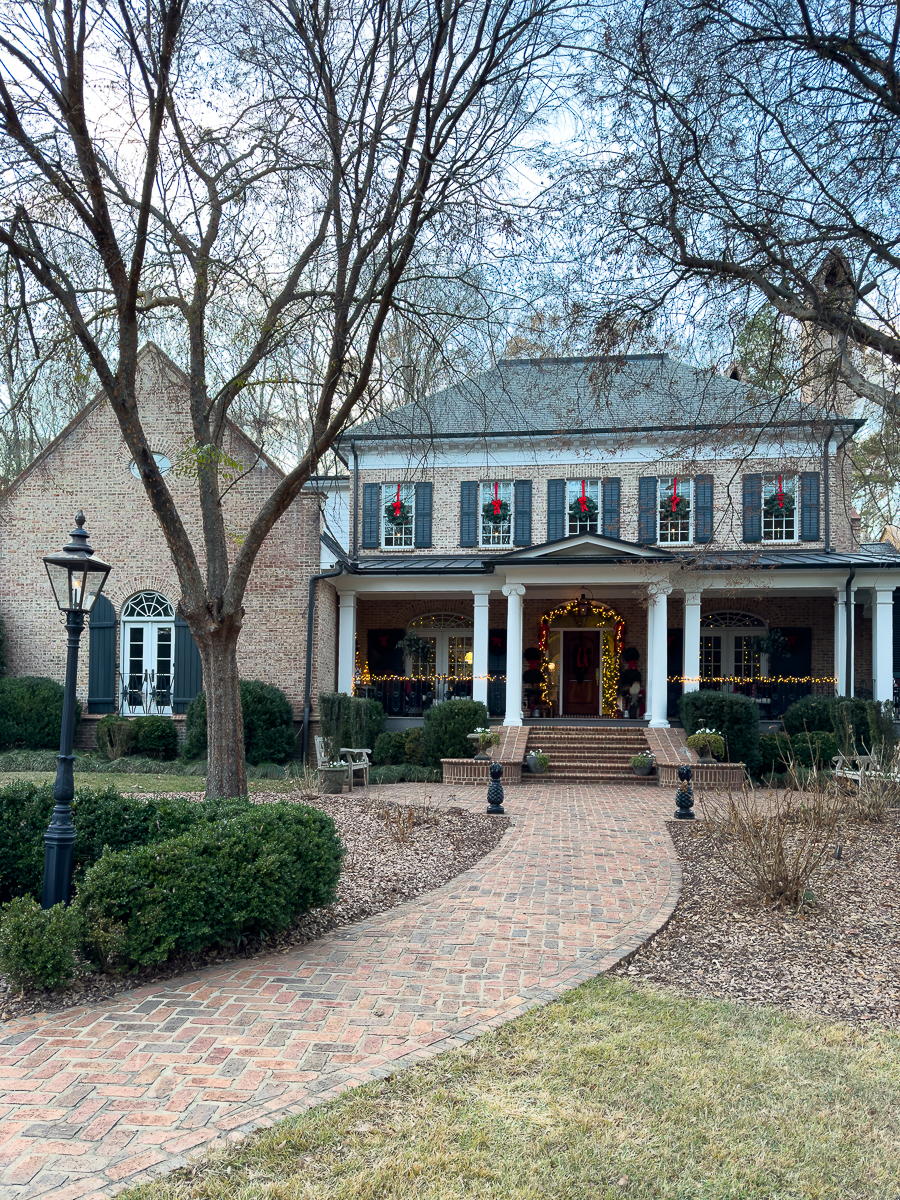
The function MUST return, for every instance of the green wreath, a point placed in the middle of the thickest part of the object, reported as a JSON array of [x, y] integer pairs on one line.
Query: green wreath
[[774, 509], [680, 510], [495, 518], [395, 518], [577, 513]]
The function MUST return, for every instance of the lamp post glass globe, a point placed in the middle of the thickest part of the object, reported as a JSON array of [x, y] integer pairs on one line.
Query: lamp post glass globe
[[77, 579]]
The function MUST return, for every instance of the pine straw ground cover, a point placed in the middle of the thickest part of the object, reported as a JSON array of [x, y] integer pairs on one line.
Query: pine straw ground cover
[[839, 957], [394, 852], [612, 1091]]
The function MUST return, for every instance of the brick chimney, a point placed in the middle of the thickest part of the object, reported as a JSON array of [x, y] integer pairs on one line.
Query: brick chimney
[[821, 350]]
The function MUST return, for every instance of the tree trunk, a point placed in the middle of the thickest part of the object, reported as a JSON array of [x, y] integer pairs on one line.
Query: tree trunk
[[226, 770]]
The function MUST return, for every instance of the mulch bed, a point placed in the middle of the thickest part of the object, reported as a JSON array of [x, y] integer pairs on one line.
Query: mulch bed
[[394, 852], [839, 958]]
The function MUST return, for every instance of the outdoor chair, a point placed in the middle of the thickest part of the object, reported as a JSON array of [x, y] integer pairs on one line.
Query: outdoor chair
[[358, 762], [843, 768]]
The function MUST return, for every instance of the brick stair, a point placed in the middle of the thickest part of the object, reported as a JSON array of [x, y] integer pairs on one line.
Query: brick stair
[[595, 755]]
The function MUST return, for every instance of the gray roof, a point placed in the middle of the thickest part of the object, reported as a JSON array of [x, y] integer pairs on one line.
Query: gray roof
[[565, 395]]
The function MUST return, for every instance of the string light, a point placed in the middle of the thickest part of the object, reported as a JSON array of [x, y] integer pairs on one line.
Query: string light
[[364, 677], [612, 649], [751, 679]]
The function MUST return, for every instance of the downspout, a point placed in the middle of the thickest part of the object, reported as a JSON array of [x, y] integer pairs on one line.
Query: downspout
[[354, 541], [848, 616], [310, 620]]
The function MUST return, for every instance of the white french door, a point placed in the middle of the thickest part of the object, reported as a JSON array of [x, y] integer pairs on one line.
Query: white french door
[[147, 650]]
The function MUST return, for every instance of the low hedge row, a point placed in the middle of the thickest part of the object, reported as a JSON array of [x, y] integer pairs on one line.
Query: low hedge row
[[148, 735], [268, 724], [157, 876], [779, 751], [31, 712]]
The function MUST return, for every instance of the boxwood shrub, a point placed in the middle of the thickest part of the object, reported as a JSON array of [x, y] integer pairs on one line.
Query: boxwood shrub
[[446, 728], [735, 717], [31, 712], [268, 723], [249, 872], [38, 946]]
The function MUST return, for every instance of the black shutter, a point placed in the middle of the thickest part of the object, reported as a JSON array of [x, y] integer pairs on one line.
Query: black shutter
[[896, 633], [423, 515], [753, 508], [556, 509], [102, 658], [187, 677], [371, 523], [384, 657], [522, 515], [703, 508], [809, 506], [468, 513], [647, 509], [612, 502]]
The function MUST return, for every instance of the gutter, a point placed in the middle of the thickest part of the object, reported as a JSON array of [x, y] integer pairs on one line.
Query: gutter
[[310, 615]]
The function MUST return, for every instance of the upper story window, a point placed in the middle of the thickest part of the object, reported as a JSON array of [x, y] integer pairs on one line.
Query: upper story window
[[496, 513], [398, 514], [675, 510], [779, 508], [583, 505]]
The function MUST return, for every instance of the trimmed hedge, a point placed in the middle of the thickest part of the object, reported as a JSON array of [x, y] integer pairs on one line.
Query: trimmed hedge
[[31, 712], [735, 717], [38, 946], [774, 752], [268, 724], [251, 872], [352, 721], [446, 728], [148, 736]]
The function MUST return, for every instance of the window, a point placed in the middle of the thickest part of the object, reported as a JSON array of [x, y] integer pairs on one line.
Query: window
[[147, 654], [397, 514], [496, 514], [447, 653], [675, 510], [779, 508], [729, 646], [583, 505]]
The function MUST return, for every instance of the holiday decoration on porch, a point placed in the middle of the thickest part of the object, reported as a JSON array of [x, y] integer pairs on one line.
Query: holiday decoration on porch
[[589, 613], [398, 513], [583, 508], [495, 511], [780, 503], [673, 507]]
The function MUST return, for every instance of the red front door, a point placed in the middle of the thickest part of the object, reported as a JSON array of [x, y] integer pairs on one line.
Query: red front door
[[581, 673]]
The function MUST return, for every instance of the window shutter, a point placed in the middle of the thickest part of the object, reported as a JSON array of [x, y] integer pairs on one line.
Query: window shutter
[[809, 506], [522, 514], [703, 508], [468, 514], [423, 515], [187, 677], [612, 500], [647, 509], [371, 522], [753, 508], [556, 509], [102, 658]]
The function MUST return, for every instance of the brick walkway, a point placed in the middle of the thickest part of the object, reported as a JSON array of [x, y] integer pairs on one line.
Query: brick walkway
[[97, 1099]]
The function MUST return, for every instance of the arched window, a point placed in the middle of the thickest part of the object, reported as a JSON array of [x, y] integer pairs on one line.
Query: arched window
[[148, 653], [728, 645]]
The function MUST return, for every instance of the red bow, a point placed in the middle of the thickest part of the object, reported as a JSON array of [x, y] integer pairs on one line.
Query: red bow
[[398, 503], [582, 499], [496, 502], [674, 492], [780, 493]]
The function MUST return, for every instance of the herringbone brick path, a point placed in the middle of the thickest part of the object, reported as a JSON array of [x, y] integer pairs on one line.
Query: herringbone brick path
[[98, 1098]]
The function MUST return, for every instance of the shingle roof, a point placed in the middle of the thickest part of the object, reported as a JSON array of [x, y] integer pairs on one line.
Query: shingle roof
[[638, 392]]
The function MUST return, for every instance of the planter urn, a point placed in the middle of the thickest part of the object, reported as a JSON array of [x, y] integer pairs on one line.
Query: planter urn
[[533, 765], [332, 780], [643, 770]]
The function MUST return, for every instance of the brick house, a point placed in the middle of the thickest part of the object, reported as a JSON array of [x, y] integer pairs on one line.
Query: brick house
[[540, 527], [140, 656]]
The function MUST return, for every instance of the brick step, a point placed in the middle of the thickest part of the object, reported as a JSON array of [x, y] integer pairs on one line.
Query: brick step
[[580, 777]]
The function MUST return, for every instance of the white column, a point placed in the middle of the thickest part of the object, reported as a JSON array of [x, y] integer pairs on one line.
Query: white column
[[851, 634], [840, 644], [882, 643], [656, 674], [514, 593], [346, 642], [691, 655], [480, 648]]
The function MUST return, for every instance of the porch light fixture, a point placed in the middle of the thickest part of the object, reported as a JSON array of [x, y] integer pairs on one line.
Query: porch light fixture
[[582, 608], [77, 579]]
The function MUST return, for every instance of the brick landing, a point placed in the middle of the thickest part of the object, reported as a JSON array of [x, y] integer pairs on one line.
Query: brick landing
[[97, 1099]]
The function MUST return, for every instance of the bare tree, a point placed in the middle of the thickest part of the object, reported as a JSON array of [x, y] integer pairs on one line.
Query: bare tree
[[741, 151], [278, 162]]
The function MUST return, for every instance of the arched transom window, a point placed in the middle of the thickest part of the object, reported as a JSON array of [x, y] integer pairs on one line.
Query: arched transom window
[[148, 606]]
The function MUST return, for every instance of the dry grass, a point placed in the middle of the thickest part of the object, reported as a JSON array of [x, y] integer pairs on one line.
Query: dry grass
[[612, 1091]]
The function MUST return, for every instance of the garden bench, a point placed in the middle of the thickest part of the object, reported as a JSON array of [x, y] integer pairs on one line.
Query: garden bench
[[357, 761]]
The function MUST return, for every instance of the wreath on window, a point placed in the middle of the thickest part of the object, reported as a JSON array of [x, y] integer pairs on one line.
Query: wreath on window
[[583, 508], [495, 511], [780, 503], [398, 513], [677, 507]]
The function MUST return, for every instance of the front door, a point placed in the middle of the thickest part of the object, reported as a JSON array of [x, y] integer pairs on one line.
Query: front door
[[582, 667]]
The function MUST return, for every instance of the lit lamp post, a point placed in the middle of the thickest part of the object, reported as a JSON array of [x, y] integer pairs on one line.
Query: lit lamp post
[[77, 579]]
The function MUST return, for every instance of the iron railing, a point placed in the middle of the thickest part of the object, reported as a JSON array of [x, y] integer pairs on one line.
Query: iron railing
[[144, 693]]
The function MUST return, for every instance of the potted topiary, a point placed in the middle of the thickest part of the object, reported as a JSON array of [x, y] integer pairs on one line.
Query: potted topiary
[[537, 762], [642, 764], [709, 744]]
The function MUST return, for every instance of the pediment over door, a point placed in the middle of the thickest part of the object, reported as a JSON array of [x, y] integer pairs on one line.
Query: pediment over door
[[586, 545]]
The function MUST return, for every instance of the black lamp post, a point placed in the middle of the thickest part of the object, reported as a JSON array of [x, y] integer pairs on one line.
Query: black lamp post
[[77, 579]]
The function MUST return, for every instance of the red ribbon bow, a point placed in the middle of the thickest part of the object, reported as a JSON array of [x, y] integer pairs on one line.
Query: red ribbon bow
[[780, 493], [674, 492], [496, 502], [397, 504], [582, 499]]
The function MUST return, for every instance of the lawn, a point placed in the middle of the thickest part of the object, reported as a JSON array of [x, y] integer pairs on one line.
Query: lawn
[[614, 1090], [141, 783]]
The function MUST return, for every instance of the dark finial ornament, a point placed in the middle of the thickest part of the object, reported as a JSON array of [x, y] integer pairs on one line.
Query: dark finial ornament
[[684, 796], [495, 789]]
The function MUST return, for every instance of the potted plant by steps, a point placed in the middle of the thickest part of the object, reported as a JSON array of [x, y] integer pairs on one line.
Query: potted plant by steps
[[537, 761], [709, 744], [485, 739], [642, 764], [332, 778]]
